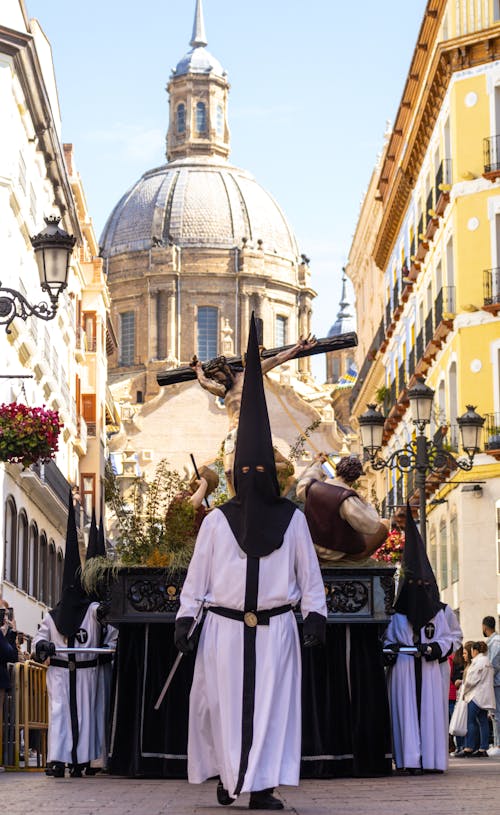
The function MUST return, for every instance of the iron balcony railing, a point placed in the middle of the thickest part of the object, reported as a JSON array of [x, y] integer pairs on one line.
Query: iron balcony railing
[[411, 363], [491, 286], [395, 295], [428, 331], [401, 377], [429, 204], [399, 492], [491, 154], [443, 176], [393, 394], [492, 431], [421, 226], [388, 314], [420, 344], [49, 473], [413, 247], [390, 499]]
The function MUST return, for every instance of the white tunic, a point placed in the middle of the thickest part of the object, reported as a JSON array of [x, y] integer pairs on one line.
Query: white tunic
[[418, 743], [217, 574], [60, 739]]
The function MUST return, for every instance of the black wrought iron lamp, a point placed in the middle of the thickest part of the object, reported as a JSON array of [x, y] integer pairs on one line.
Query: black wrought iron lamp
[[53, 248], [421, 455]]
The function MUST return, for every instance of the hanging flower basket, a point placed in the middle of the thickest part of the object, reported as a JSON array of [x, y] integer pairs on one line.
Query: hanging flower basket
[[392, 549], [28, 434]]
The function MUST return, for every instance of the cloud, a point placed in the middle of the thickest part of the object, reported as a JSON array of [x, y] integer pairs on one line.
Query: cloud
[[130, 142]]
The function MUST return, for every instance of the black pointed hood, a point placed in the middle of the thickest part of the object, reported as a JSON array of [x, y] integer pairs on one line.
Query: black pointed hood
[[418, 593], [101, 543], [257, 515], [92, 544], [72, 607]]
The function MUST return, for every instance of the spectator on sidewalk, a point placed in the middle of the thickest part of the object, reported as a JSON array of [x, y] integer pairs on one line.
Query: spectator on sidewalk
[[457, 665], [478, 693], [493, 642], [8, 653]]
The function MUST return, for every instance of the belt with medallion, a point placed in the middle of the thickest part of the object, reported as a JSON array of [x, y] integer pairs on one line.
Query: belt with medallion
[[250, 618]]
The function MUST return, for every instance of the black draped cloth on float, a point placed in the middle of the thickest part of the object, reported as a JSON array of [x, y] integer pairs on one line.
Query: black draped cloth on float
[[343, 734]]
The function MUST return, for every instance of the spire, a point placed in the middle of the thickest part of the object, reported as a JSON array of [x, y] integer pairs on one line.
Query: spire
[[198, 37], [343, 297]]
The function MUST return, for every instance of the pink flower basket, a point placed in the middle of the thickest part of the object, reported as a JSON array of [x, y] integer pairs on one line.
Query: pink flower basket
[[28, 434]]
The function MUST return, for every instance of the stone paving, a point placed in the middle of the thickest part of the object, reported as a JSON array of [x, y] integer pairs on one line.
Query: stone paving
[[471, 786]]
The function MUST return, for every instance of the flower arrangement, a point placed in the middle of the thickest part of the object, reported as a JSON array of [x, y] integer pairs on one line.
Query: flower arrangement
[[391, 550], [28, 434]]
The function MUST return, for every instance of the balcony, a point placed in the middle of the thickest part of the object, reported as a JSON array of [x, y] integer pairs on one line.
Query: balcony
[[492, 435], [423, 243], [432, 218], [491, 158], [49, 488], [80, 441], [79, 344], [442, 187], [491, 290]]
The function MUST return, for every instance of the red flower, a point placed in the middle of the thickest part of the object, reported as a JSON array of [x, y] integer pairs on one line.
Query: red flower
[[391, 550], [28, 434]]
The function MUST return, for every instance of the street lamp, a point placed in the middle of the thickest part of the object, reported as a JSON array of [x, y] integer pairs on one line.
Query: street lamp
[[53, 247], [421, 455]]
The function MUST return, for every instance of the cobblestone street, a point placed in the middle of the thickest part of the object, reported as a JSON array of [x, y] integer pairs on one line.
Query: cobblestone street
[[471, 786]]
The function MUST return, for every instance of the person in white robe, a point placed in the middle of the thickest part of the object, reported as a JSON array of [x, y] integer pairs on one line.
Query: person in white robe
[[253, 563], [75, 732], [416, 683]]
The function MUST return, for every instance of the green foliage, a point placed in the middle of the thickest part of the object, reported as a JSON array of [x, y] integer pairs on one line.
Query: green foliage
[[382, 394], [298, 448], [221, 494], [155, 521]]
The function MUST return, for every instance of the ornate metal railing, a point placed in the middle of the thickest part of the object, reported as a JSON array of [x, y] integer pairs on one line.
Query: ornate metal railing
[[491, 154], [491, 286]]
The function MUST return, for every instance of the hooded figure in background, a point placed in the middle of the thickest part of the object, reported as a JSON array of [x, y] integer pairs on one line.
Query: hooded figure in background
[[254, 561], [74, 736], [96, 547], [417, 686]]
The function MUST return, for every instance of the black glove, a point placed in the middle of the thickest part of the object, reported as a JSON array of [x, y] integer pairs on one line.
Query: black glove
[[430, 651], [103, 610], [390, 659], [182, 643], [45, 649], [314, 629]]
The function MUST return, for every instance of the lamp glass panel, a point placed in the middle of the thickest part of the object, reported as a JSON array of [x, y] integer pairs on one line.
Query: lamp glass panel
[[471, 435]]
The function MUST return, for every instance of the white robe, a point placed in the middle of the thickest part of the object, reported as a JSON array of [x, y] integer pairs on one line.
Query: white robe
[[418, 743], [90, 737], [457, 635], [217, 574]]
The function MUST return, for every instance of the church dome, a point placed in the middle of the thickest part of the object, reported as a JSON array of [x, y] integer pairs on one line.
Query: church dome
[[199, 61], [198, 201]]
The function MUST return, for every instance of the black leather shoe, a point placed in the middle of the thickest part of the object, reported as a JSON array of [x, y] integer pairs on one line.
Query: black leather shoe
[[264, 799], [58, 769], [223, 797]]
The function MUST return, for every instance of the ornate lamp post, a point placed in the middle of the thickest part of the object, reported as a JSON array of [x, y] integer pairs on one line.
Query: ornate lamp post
[[422, 456], [53, 247]]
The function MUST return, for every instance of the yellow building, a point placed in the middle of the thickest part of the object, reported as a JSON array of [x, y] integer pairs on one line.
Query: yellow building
[[434, 253]]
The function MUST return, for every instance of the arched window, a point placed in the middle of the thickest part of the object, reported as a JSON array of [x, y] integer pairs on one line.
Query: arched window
[[22, 552], [33, 561], [10, 540], [207, 332], [59, 572], [52, 576], [42, 569], [443, 554], [454, 546], [181, 118], [220, 120], [201, 117]]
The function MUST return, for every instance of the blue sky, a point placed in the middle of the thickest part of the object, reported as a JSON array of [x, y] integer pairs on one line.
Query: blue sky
[[312, 87]]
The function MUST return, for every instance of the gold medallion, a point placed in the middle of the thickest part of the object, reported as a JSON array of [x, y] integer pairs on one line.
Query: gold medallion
[[250, 619]]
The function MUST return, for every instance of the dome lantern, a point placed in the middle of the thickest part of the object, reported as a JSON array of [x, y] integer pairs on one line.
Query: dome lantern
[[198, 90]]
